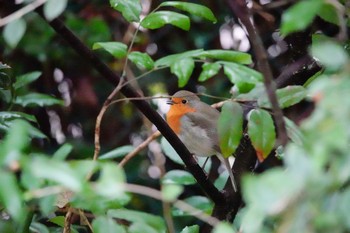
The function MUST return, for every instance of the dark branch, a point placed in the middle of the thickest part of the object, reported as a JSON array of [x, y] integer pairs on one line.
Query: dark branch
[[239, 7]]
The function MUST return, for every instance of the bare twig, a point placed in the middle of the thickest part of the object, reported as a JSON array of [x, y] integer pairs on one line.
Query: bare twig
[[143, 190], [139, 148], [239, 7], [21, 12], [68, 221]]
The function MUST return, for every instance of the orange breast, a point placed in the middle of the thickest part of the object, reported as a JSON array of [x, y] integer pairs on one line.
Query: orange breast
[[174, 115]]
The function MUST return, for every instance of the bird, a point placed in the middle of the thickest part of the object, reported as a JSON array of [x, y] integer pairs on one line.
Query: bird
[[195, 123]]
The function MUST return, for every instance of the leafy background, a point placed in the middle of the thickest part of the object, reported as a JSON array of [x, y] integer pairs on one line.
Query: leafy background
[[50, 98]]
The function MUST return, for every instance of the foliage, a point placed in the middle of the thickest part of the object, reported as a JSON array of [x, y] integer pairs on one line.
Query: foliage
[[309, 193]]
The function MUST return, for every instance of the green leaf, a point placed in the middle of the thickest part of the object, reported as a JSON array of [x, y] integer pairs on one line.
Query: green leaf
[[178, 177], [183, 70], [57, 171], [25, 79], [228, 55], [14, 31], [110, 183], [63, 152], [243, 77], [160, 18], [230, 128], [156, 222], [9, 116], [170, 192], [223, 227], [173, 58], [199, 202], [54, 8], [321, 50], [103, 224], [10, 195], [130, 9], [190, 229], [142, 60], [192, 8], [209, 70], [329, 13], [170, 152], [287, 96], [117, 152], [270, 193], [15, 142], [261, 131], [300, 15], [58, 220], [37, 99], [116, 49]]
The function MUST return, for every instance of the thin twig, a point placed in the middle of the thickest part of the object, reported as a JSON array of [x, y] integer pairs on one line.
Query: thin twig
[[241, 10], [85, 219], [143, 190], [21, 12], [68, 221], [139, 148]]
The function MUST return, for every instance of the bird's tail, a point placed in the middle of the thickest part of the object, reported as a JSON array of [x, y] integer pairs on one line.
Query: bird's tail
[[229, 170]]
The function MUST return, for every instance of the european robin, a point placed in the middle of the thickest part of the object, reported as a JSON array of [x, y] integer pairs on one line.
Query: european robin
[[195, 123]]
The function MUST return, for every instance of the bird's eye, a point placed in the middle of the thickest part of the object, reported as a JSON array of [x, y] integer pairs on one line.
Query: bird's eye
[[184, 101]]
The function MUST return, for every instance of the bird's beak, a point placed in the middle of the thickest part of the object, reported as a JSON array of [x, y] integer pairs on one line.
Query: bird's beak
[[170, 102]]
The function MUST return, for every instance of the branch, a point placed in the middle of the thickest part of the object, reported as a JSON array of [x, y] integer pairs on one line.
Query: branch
[[239, 7], [208, 187]]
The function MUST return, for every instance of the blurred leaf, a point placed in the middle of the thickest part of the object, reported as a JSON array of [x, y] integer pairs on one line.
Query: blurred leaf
[[261, 131], [191, 229], [130, 9], [117, 152], [270, 193], [14, 31], [170, 192], [294, 133], [14, 143], [160, 18], [243, 77], [228, 55], [10, 196], [178, 177], [103, 224], [58, 220], [329, 13], [110, 183], [4, 66], [183, 70], [25, 79], [57, 171], [170, 152], [173, 58], [47, 204], [37, 99], [223, 227], [192, 8], [230, 127], [54, 8], [142, 60], [63, 152], [199, 202], [137, 227], [300, 16], [209, 70], [9, 116], [287, 96], [321, 50], [38, 227], [117, 49], [156, 222]]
